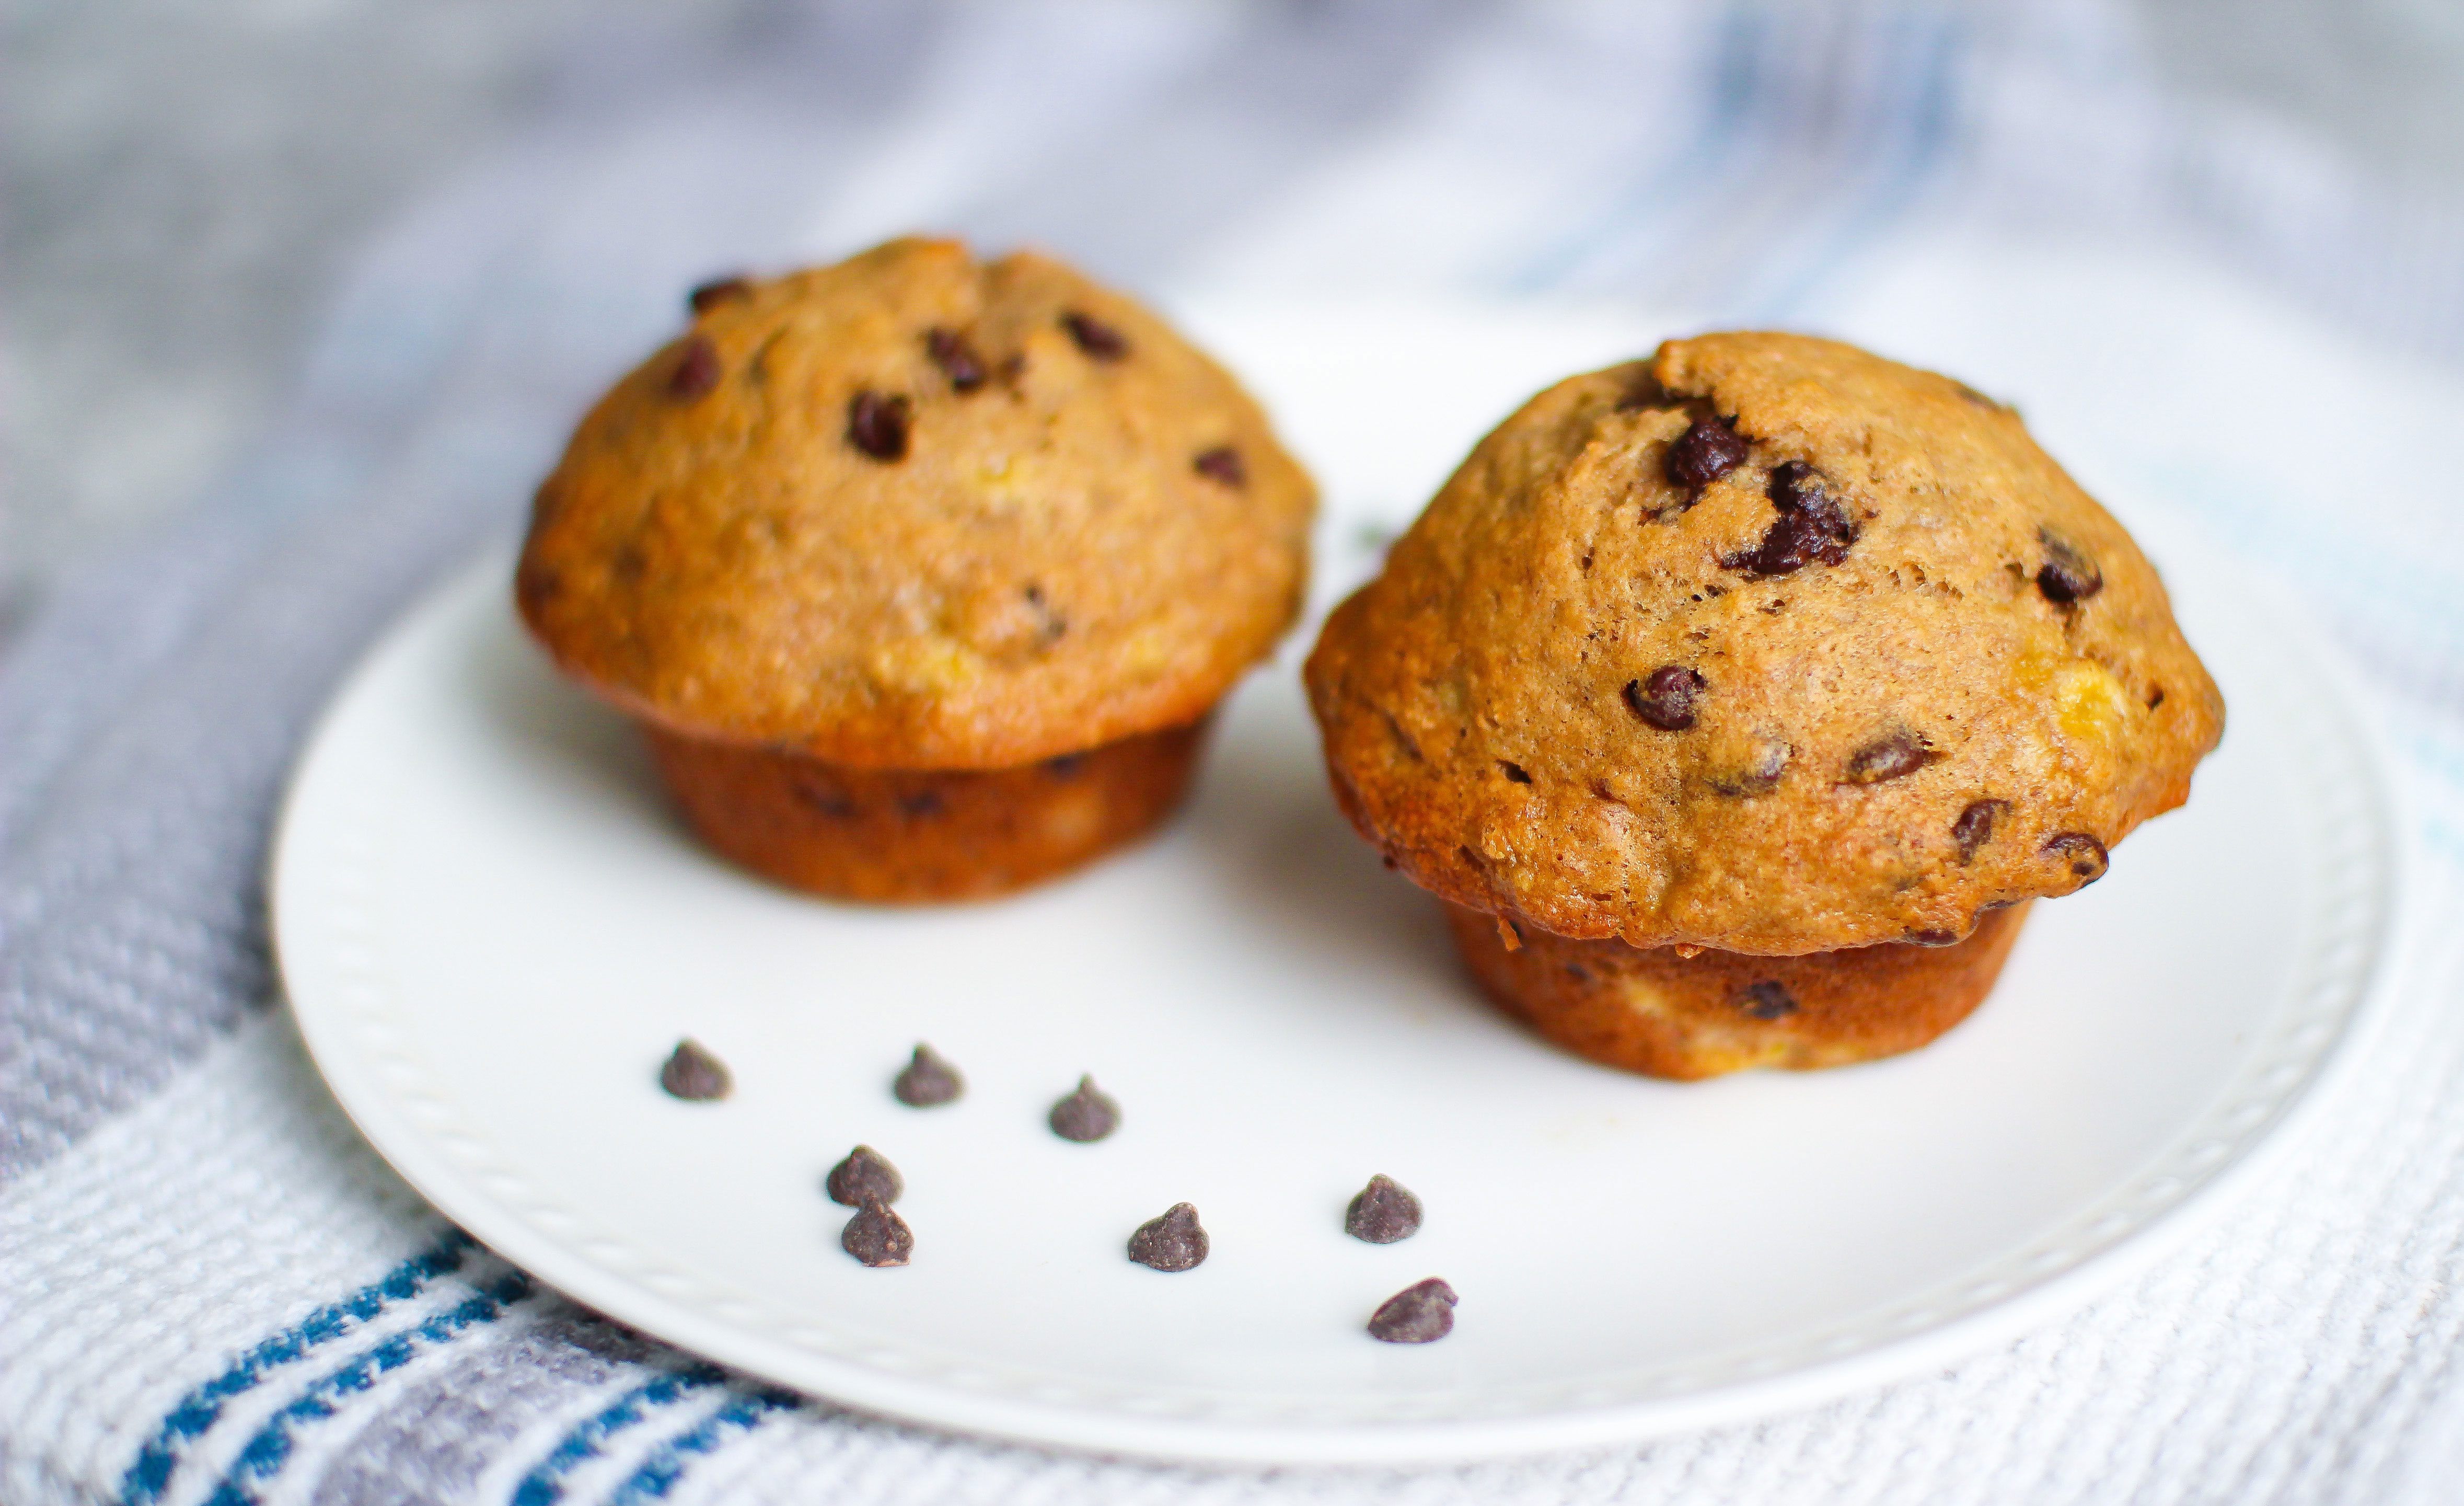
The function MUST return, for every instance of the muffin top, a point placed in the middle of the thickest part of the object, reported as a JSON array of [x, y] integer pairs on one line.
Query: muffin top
[[1767, 645], [911, 511]]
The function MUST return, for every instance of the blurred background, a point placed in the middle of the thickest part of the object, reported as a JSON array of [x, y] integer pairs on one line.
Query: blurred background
[[192, 187]]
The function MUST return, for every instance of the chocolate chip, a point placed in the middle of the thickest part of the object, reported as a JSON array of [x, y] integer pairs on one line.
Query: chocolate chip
[[866, 1176], [1421, 1313], [696, 368], [956, 359], [1086, 1114], [1974, 826], [1811, 526], [693, 1074], [1382, 1213], [1665, 698], [2155, 697], [1064, 766], [1172, 1242], [1094, 337], [878, 424], [1514, 772], [921, 804], [719, 290], [2083, 854], [1760, 776], [877, 1236], [928, 1081], [1705, 451], [1976, 397], [1222, 463], [1932, 939], [1766, 1000], [2067, 575], [1893, 757]]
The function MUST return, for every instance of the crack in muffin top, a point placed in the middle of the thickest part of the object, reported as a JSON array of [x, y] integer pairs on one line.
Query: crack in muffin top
[[1768, 645]]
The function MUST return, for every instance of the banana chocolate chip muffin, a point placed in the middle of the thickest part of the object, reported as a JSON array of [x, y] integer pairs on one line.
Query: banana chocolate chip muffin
[[1765, 647], [923, 574]]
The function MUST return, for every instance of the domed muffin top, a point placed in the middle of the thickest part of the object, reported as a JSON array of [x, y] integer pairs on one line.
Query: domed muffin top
[[1766, 645], [912, 511]]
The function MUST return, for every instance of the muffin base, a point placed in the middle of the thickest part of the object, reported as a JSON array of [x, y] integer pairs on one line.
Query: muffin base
[[1656, 1012], [915, 836]]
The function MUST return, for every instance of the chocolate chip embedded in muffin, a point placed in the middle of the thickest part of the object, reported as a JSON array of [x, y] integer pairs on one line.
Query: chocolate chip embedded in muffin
[[1707, 451], [1421, 1313], [694, 1075], [865, 1176], [927, 1081], [1087, 1115], [1665, 698], [1382, 1213], [1172, 1241]]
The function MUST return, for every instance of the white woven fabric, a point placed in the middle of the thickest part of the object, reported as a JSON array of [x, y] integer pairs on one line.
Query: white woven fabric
[[210, 1290]]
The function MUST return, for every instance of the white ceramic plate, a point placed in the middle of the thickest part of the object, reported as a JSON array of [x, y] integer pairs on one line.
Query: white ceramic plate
[[492, 932]]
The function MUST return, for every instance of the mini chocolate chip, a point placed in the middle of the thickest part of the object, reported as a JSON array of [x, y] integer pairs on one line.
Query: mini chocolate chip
[[696, 368], [927, 1080], [866, 1176], [1932, 939], [1974, 826], [2084, 854], [693, 1074], [956, 359], [1065, 765], [921, 804], [1382, 1213], [1421, 1313], [1976, 397], [1811, 526], [1766, 1000], [719, 290], [1094, 337], [878, 424], [1893, 757], [2067, 575], [1665, 698], [1171, 1242], [1222, 463], [1086, 1114], [1514, 772], [877, 1236], [1705, 451]]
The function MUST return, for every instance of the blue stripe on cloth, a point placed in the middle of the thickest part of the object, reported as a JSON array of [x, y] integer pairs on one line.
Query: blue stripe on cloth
[[265, 1454], [668, 1463], [544, 1482], [160, 1457]]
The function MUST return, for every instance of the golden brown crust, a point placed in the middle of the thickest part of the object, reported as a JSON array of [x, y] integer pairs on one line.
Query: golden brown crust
[[1034, 555], [1657, 1013], [909, 836], [1903, 726]]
